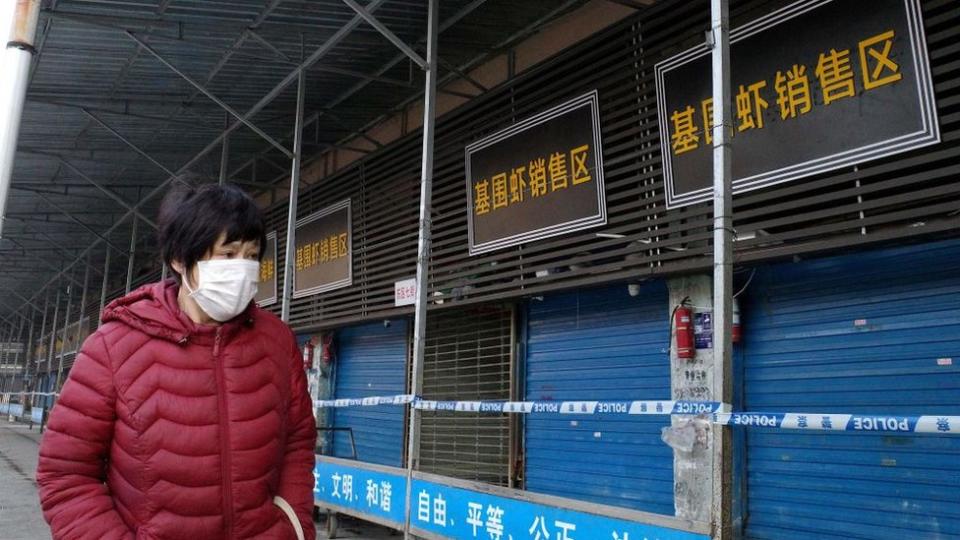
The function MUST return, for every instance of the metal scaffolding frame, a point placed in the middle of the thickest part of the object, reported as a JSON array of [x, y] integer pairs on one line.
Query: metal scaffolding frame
[[138, 31], [423, 253]]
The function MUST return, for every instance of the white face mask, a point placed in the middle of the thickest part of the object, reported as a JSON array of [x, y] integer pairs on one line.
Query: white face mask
[[226, 287]]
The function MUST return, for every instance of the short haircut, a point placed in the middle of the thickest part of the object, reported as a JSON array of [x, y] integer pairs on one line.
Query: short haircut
[[193, 218]]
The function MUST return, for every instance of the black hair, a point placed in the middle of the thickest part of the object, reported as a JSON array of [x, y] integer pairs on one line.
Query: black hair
[[193, 218]]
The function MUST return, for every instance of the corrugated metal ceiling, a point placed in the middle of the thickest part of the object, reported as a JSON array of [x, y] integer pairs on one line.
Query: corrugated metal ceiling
[[238, 49]]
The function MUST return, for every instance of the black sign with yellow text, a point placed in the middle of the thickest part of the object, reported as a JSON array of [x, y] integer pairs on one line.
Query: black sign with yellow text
[[540, 178], [324, 251], [267, 291], [817, 85]]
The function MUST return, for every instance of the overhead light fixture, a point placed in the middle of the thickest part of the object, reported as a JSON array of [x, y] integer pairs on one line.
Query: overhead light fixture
[[749, 235]]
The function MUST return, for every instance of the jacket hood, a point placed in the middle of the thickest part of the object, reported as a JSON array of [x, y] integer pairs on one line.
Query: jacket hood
[[153, 309]]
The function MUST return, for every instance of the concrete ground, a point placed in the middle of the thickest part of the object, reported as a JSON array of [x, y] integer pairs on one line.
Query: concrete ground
[[20, 516]]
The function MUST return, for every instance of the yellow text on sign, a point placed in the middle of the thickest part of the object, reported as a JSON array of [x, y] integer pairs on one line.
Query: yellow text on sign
[[538, 178]]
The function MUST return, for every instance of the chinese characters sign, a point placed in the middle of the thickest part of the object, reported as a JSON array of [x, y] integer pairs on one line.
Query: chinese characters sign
[[323, 254], [367, 493], [405, 292], [267, 291], [540, 178], [377, 493], [453, 512], [817, 85]]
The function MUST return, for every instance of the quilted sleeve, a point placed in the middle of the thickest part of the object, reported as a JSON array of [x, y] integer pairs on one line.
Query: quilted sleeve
[[296, 476], [73, 454]]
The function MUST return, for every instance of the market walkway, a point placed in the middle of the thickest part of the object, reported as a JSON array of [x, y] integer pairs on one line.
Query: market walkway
[[20, 517]]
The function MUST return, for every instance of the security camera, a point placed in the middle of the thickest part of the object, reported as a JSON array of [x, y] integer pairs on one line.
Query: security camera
[[386, 323]]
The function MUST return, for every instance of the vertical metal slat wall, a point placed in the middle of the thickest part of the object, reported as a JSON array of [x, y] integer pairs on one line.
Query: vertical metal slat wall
[[468, 357], [600, 344], [371, 361], [869, 333]]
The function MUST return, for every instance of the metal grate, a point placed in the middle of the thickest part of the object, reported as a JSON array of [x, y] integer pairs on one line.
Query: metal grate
[[468, 357]]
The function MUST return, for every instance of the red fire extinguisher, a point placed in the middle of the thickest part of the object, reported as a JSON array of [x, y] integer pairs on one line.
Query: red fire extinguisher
[[308, 354], [735, 332], [683, 323], [326, 349]]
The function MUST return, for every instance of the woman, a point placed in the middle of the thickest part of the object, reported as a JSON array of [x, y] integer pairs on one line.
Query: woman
[[186, 415]]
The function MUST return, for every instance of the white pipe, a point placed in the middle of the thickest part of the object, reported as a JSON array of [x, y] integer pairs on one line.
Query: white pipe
[[18, 56]]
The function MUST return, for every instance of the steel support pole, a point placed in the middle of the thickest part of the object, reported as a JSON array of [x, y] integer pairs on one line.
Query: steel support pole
[[83, 302], [28, 350], [63, 338], [423, 254], [6, 340], [722, 265], [294, 192], [225, 153], [18, 55], [53, 328], [9, 356], [43, 330], [103, 288], [18, 355], [133, 253]]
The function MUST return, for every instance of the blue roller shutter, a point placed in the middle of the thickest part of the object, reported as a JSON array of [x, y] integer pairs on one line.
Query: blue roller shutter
[[870, 333], [600, 344], [371, 361]]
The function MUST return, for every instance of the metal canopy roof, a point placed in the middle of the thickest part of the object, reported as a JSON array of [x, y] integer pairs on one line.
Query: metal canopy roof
[[108, 120]]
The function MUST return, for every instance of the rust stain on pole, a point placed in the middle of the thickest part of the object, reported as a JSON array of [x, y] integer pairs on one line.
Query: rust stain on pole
[[25, 22]]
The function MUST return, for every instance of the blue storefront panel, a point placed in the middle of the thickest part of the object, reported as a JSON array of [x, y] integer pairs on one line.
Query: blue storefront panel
[[600, 344], [371, 361], [869, 333]]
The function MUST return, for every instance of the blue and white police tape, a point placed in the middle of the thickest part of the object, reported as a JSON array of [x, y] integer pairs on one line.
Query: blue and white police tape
[[719, 413], [534, 407], [401, 399], [575, 407], [10, 394], [944, 424]]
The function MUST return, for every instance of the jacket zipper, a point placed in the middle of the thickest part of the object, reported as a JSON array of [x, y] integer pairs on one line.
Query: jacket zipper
[[224, 439]]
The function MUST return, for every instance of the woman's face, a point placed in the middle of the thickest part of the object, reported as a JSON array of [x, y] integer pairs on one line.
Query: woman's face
[[238, 249]]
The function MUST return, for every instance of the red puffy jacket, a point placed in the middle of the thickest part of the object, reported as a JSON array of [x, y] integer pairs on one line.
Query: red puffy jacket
[[169, 429]]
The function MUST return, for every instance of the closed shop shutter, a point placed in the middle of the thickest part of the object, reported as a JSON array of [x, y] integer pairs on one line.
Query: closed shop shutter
[[873, 333], [371, 361], [600, 344], [467, 358]]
